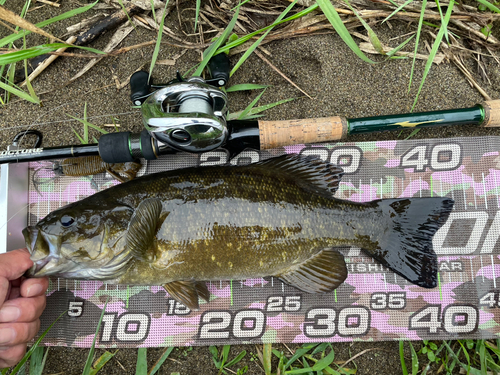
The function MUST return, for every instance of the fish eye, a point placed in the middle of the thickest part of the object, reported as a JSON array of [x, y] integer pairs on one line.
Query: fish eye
[[67, 221]]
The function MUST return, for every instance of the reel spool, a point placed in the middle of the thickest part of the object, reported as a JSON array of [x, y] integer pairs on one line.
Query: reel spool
[[187, 116]]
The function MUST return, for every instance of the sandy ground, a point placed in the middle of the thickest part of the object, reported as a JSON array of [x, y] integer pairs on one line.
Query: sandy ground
[[339, 82]]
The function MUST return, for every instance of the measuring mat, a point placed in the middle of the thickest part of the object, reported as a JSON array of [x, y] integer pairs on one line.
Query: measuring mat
[[372, 304]]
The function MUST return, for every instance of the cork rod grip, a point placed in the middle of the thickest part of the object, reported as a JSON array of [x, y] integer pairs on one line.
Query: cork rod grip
[[491, 113], [291, 132]]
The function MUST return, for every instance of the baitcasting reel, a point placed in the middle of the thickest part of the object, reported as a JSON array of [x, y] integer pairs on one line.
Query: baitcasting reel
[[184, 115]]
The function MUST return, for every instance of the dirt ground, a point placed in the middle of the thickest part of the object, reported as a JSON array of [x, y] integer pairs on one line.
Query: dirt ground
[[339, 82]]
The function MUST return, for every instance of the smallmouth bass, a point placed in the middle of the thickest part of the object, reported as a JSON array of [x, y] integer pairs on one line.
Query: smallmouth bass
[[273, 218]]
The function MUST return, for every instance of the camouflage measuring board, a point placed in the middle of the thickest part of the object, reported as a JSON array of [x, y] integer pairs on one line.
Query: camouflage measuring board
[[372, 304]]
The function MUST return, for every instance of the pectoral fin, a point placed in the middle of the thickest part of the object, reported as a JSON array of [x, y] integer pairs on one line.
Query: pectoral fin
[[145, 222], [323, 272], [188, 292]]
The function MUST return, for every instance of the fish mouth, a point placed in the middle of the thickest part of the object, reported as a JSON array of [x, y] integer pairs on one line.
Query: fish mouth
[[43, 251]]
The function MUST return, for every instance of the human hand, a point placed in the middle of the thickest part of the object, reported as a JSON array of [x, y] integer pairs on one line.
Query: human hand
[[21, 303]]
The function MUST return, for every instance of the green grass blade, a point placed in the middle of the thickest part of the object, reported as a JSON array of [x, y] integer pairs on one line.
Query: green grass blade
[[256, 44], [489, 5], [251, 105], [402, 357], [13, 37], [11, 74], [126, 13], [374, 40], [85, 124], [245, 38], [441, 15], [17, 92], [240, 4], [88, 364], [101, 361], [162, 359], [470, 371], [419, 30], [435, 48], [28, 83], [267, 356], [211, 51], [251, 114], [482, 356], [245, 86], [28, 354], [141, 367], [325, 361], [397, 10], [225, 352], [251, 117], [29, 53], [398, 48], [334, 18], [414, 360], [82, 141], [238, 358], [36, 361], [158, 40], [197, 15]]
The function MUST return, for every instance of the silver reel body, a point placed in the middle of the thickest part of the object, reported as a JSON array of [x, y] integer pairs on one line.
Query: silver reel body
[[187, 116]]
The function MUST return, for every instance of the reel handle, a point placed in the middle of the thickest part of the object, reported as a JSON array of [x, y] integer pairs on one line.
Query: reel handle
[[140, 87]]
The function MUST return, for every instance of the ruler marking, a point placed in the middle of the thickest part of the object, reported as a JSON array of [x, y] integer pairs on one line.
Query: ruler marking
[[402, 187], [482, 271], [496, 189], [493, 270], [463, 190], [420, 179], [474, 191], [392, 188], [385, 282], [484, 190], [381, 189], [359, 198], [472, 271], [371, 190]]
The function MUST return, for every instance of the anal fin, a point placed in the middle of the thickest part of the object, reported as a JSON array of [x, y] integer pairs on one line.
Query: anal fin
[[188, 292], [321, 273]]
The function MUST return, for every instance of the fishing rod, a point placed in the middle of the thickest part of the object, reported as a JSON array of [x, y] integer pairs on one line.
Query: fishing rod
[[190, 115]]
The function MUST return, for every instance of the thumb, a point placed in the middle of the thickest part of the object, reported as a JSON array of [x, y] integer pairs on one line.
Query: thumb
[[14, 264]]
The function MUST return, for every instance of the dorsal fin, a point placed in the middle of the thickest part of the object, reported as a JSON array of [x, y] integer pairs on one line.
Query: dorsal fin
[[321, 273], [309, 172]]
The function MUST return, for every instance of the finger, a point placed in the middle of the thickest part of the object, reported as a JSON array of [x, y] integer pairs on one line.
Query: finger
[[17, 282], [34, 287], [4, 289], [18, 333], [14, 293], [11, 355], [22, 310], [14, 263]]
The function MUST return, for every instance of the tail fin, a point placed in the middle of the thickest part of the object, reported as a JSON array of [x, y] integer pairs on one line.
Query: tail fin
[[406, 247]]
